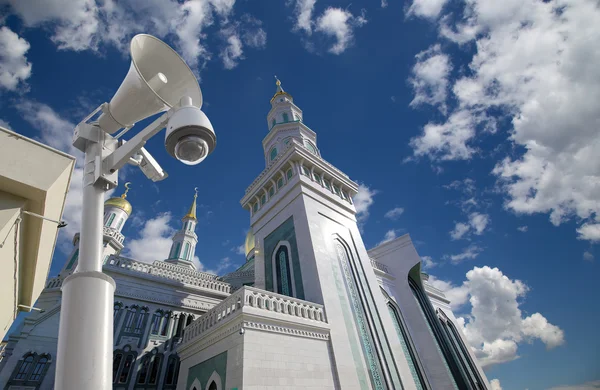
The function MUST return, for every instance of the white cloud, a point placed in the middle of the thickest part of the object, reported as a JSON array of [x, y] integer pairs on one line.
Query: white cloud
[[495, 383], [469, 253], [495, 326], [430, 78], [233, 52], [427, 8], [531, 67], [476, 224], [362, 201], [154, 241], [593, 385], [89, 25], [428, 262], [460, 229], [448, 140], [522, 229], [340, 24], [589, 231], [74, 24], [304, 12], [14, 67], [458, 295], [5, 124], [588, 256], [394, 213], [223, 265], [389, 236], [384, 3], [479, 222], [240, 250]]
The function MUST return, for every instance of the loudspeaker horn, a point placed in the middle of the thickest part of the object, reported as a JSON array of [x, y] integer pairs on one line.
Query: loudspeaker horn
[[157, 79]]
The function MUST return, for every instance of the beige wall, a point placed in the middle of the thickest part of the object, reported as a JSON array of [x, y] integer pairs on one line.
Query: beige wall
[[10, 209]]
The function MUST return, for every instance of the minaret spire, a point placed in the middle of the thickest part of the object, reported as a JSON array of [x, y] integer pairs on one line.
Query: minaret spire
[[185, 239], [191, 214]]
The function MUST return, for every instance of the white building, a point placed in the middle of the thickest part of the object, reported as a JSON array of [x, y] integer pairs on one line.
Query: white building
[[310, 309], [34, 180]]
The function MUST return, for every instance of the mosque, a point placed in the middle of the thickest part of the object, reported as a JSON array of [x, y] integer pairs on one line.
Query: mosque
[[311, 308]]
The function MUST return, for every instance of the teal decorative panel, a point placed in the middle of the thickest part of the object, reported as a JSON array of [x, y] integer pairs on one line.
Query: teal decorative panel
[[360, 320], [204, 370], [284, 232]]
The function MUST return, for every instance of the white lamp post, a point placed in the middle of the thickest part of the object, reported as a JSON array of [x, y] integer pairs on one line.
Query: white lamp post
[[158, 80]]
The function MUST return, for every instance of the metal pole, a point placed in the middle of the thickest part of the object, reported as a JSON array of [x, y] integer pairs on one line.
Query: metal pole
[[85, 336]]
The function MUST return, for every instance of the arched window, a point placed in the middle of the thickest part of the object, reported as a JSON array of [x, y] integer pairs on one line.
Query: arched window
[[280, 183], [213, 386], [26, 364], [263, 200], [117, 358], [126, 370], [255, 207], [155, 369], [283, 274], [289, 173], [327, 185], [110, 219], [186, 250], [120, 223], [165, 324], [123, 361], [177, 248], [273, 153], [405, 341], [154, 328], [462, 354], [311, 148], [189, 320], [286, 118], [129, 320], [142, 376], [271, 192], [317, 178], [141, 320], [172, 369], [73, 259], [434, 328]]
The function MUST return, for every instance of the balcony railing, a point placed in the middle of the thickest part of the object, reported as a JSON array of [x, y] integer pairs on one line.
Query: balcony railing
[[171, 271], [258, 299]]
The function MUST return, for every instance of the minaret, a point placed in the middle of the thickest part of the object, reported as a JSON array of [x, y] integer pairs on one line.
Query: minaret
[[307, 245], [116, 212], [185, 240]]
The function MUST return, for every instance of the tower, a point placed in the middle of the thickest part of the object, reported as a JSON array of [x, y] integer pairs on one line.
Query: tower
[[185, 240], [308, 245], [116, 212]]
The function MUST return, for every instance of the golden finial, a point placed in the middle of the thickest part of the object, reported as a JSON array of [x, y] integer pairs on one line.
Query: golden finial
[[278, 83], [126, 190], [191, 214]]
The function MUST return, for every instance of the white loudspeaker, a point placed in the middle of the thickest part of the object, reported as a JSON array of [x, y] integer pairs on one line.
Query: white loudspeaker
[[157, 79]]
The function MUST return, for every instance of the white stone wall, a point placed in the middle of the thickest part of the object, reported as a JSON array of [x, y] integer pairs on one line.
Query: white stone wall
[[280, 361]]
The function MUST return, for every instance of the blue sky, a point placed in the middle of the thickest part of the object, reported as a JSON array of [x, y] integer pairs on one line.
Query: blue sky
[[472, 126]]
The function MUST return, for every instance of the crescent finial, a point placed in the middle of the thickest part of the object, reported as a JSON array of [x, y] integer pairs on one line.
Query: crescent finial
[[127, 188]]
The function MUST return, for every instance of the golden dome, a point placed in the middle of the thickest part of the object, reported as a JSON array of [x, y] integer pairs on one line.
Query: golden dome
[[249, 244], [280, 90], [121, 202]]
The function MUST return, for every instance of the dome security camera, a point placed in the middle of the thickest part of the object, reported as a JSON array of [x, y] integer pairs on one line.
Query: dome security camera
[[190, 137]]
